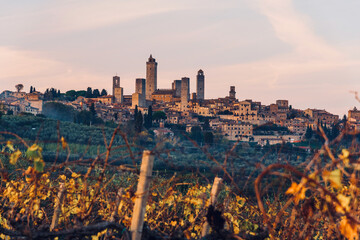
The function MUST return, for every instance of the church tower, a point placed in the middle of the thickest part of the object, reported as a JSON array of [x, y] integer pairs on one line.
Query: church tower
[[151, 77], [118, 92], [200, 85]]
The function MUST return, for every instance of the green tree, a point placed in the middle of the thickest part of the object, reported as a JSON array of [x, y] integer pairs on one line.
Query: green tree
[[92, 110], [209, 138], [81, 93], [149, 118], [135, 112], [308, 133], [159, 115], [206, 126], [58, 111], [138, 122], [71, 95], [96, 93], [103, 92], [196, 134], [89, 93]]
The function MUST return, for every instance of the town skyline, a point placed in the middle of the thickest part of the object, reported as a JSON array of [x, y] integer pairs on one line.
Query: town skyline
[[301, 51]]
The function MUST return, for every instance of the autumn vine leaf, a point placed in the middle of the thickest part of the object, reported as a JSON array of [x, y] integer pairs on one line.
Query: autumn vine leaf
[[63, 143], [344, 156], [14, 157], [345, 203], [349, 229], [298, 191], [334, 177]]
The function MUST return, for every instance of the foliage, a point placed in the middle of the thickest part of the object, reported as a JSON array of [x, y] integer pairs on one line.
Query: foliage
[[323, 198], [40, 200], [19, 87], [52, 94], [158, 116], [58, 111]]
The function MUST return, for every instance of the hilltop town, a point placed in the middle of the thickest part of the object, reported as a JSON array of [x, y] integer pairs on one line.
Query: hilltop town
[[233, 118]]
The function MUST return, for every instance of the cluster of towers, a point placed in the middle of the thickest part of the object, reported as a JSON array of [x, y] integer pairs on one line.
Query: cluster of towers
[[144, 88]]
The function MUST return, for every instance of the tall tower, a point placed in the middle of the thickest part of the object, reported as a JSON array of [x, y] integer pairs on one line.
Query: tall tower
[[151, 77], [185, 92], [116, 83], [140, 85], [232, 92], [200, 85], [176, 85], [138, 98], [118, 91]]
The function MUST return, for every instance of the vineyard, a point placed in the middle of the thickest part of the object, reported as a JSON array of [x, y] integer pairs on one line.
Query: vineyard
[[94, 198]]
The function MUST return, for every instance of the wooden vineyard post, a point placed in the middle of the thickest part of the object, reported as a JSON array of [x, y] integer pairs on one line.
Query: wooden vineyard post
[[213, 197], [57, 208], [142, 194]]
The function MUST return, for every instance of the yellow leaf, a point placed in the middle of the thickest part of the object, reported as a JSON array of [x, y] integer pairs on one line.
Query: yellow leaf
[[62, 177], [298, 190], [344, 153], [348, 229], [334, 177], [315, 177], [63, 143], [29, 170], [345, 157], [344, 201], [14, 157], [173, 223], [74, 175], [292, 189], [9, 144]]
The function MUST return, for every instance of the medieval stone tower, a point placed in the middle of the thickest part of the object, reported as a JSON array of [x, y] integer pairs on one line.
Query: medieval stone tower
[[200, 85], [176, 86], [232, 93], [117, 90], [185, 93], [151, 77], [138, 98]]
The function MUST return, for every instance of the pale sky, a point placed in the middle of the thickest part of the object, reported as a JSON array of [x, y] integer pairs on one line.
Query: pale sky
[[306, 51]]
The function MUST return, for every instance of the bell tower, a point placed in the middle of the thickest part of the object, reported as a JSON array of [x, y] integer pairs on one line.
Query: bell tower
[[151, 77]]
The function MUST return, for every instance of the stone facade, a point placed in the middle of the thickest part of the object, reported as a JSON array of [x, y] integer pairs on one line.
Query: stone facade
[[232, 93], [200, 85], [163, 95], [354, 115], [185, 93], [151, 77], [140, 86], [176, 85], [118, 95]]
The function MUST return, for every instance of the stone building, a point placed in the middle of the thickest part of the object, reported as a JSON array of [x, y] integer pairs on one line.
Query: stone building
[[235, 131], [282, 103], [118, 91], [163, 95], [354, 115], [321, 116], [140, 86], [151, 77], [185, 93], [200, 85], [138, 98], [246, 112], [176, 85], [232, 93]]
